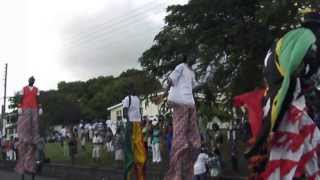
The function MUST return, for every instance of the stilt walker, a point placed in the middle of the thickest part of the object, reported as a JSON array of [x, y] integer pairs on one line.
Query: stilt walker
[[294, 137], [135, 152], [28, 129], [186, 136]]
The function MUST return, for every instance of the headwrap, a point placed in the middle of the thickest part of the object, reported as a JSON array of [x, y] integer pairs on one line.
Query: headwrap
[[281, 64]]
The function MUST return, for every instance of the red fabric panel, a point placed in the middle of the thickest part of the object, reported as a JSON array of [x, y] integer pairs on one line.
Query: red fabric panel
[[252, 101], [29, 99]]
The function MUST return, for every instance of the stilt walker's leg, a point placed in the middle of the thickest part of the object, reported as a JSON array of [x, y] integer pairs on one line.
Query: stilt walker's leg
[[22, 177]]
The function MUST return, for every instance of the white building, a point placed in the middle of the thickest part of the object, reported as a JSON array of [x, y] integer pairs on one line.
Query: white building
[[149, 107], [9, 125], [116, 112]]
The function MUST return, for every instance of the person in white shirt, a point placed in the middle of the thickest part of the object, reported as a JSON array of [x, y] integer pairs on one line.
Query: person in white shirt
[[135, 153], [186, 136], [97, 143], [200, 166]]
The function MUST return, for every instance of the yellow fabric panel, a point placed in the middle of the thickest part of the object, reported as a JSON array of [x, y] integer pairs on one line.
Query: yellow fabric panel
[[139, 151]]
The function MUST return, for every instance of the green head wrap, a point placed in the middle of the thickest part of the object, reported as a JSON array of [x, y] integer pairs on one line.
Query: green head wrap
[[290, 50]]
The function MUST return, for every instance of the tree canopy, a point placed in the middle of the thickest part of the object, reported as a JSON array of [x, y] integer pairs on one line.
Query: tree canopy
[[89, 100], [233, 35]]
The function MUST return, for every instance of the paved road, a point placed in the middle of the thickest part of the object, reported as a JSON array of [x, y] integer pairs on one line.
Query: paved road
[[6, 175]]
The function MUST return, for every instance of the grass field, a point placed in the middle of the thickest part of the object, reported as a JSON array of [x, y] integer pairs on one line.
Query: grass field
[[59, 154]]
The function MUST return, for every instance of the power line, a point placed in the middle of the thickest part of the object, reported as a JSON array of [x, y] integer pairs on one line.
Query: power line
[[110, 34], [108, 31], [121, 17], [129, 34], [120, 21], [99, 53], [113, 43]]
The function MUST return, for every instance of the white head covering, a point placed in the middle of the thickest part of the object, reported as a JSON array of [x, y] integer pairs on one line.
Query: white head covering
[[155, 121]]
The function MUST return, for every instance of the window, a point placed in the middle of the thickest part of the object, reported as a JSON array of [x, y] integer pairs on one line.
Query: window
[[119, 115]]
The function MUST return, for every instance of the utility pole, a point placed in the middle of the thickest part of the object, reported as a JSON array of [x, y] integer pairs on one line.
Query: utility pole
[[3, 109], [5, 88]]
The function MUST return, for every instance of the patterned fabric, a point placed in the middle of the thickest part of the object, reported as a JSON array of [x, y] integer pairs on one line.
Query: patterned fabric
[[28, 133], [135, 153], [294, 146], [186, 143]]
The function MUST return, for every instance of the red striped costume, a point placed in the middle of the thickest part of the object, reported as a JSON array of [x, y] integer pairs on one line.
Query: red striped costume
[[294, 146]]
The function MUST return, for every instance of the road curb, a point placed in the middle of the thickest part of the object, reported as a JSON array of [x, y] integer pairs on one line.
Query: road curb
[[71, 172]]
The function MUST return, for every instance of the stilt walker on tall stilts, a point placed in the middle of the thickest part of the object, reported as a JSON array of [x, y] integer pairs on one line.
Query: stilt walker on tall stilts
[[292, 136], [29, 110]]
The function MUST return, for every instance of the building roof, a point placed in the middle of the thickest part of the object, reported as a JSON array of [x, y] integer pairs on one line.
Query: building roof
[[114, 106], [197, 95]]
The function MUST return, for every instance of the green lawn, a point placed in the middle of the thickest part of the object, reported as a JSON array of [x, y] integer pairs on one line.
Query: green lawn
[[55, 152], [60, 154]]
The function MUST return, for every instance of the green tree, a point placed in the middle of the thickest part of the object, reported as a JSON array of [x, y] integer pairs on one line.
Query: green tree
[[233, 35]]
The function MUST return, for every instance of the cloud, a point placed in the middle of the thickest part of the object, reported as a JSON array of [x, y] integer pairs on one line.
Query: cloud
[[112, 40], [68, 40]]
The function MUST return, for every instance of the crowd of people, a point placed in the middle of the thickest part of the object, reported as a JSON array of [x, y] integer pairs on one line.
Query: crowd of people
[[284, 140], [105, 137], [8, 148], [146, 138]]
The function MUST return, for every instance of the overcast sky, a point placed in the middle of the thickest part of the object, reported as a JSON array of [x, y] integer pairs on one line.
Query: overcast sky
[[57, 40]]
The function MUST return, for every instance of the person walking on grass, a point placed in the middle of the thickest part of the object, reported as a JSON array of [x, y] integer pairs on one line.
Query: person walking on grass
[[118, 141], [108, 140], [83, 138], [73, 150], [97, 145]]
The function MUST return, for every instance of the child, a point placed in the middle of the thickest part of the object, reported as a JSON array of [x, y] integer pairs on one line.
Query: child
[[199, 168], [214, 165], [155, 141]]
